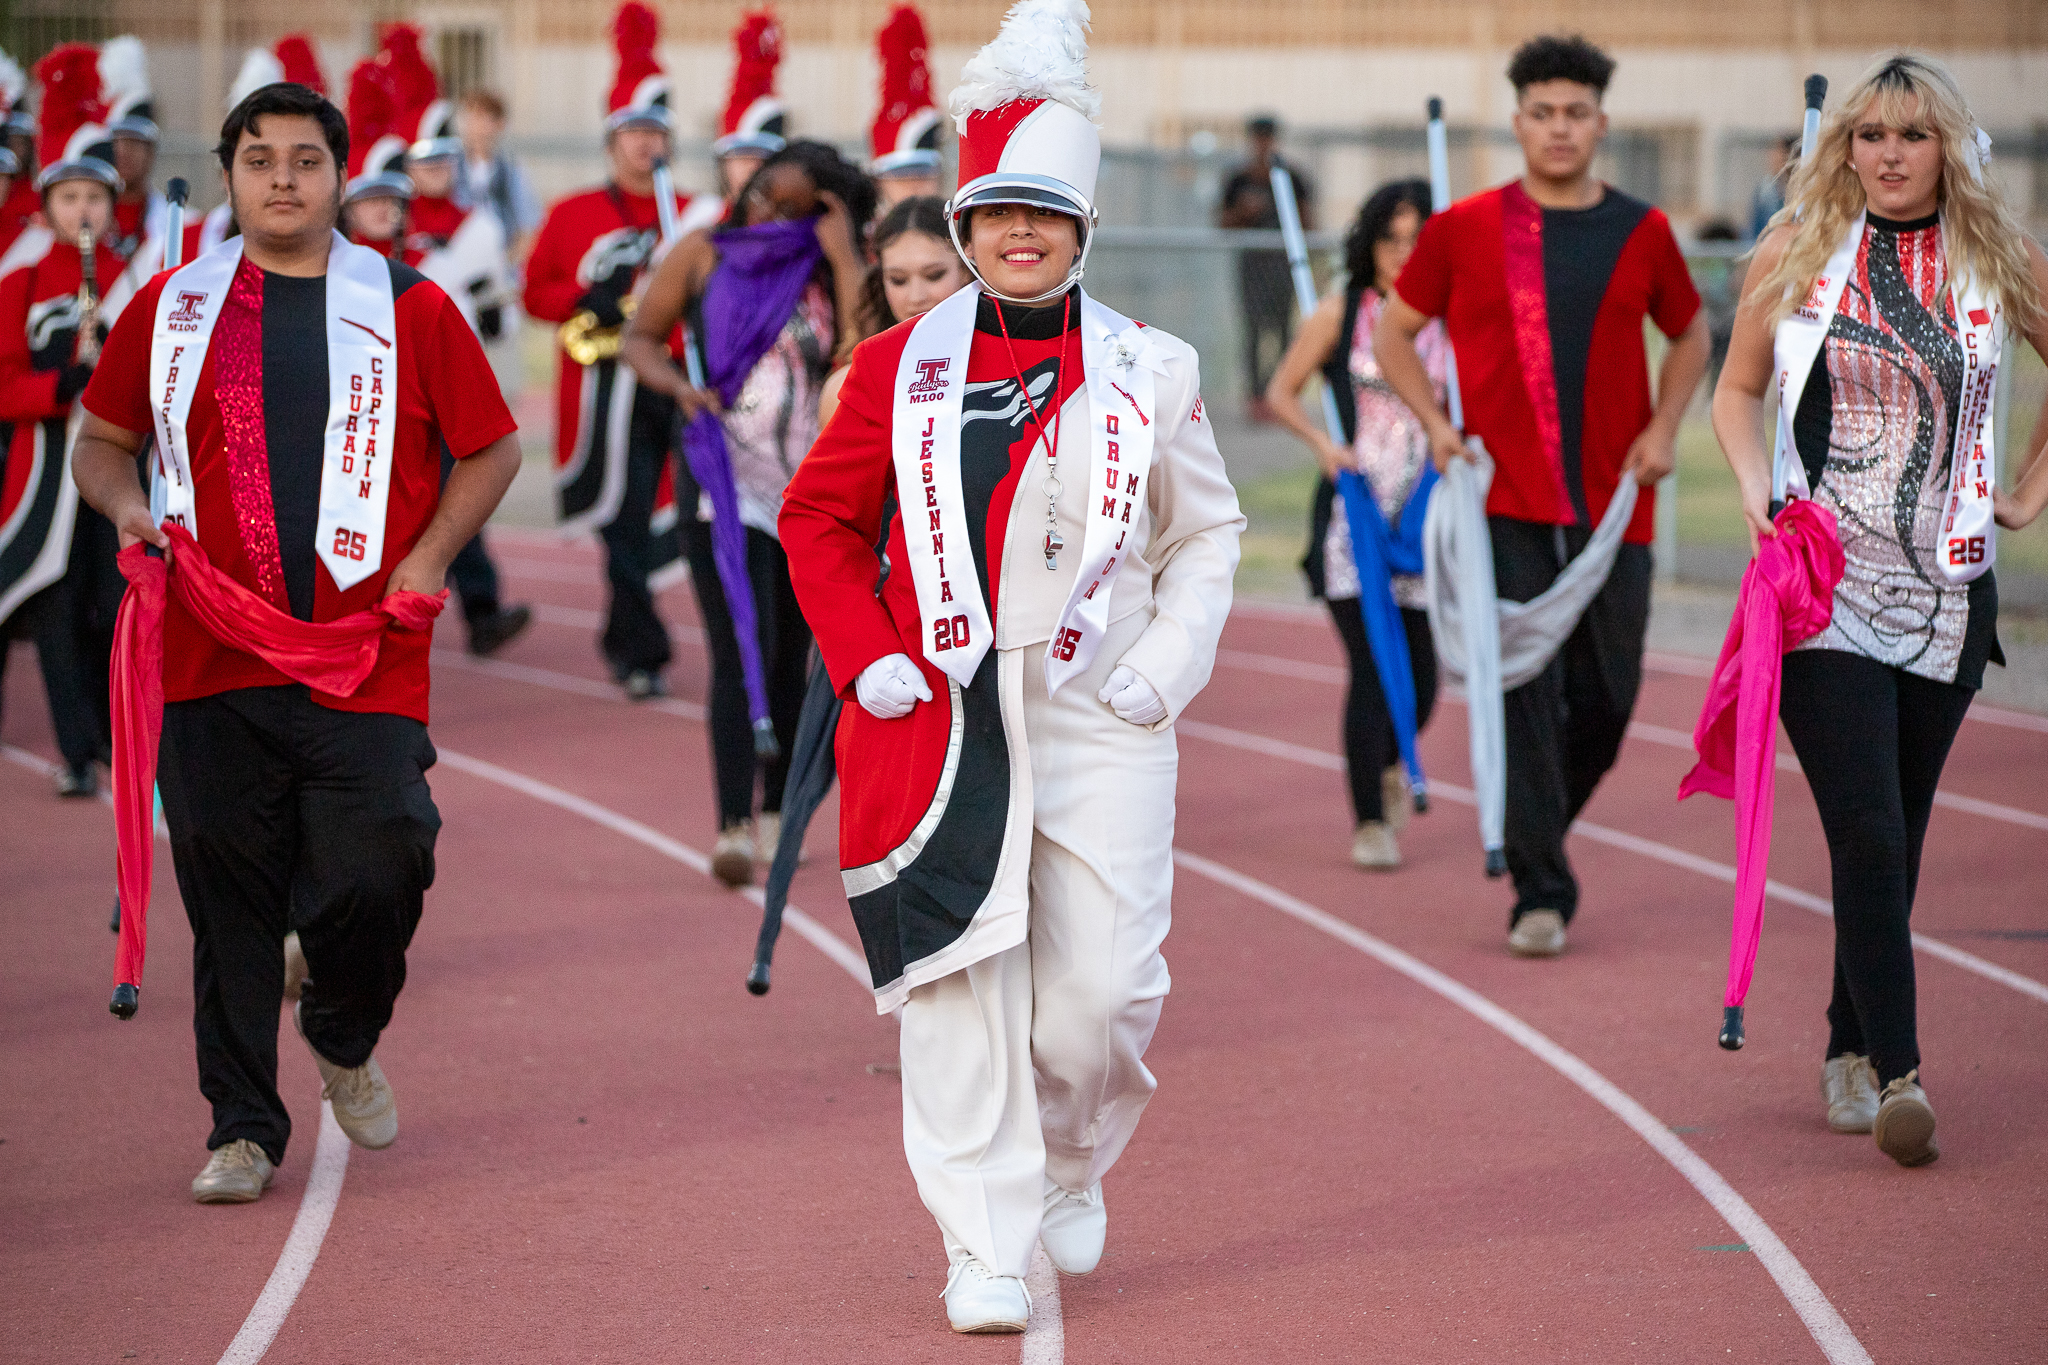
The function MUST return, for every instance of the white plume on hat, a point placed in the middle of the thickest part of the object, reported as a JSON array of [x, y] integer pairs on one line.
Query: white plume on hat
[[124, 69], [260, 68], [1040, 54]]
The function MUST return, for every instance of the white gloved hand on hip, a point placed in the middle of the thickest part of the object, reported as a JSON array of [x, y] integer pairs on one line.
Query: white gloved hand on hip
[[890, 687], [1132, 698]]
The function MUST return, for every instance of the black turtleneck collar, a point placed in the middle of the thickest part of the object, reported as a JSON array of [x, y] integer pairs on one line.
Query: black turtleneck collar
[[1901, 225], [1029, 322]]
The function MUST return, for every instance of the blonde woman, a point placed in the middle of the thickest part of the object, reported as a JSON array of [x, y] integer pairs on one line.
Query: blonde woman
[[1879, 297]]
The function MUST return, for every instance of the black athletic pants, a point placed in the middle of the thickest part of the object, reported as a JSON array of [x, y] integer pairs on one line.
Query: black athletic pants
[[1872, 740], [1266, 290], [1565, 725], [471, 572], [1369, 744], [287, 815], [634, 636], [72, 624], [785, 655]]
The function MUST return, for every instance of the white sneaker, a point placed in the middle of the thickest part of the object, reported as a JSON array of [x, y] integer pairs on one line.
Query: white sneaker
[[1539, 933], [979, 1300], [732, 857], [1074, 1229], [364, 1104], [238, 1173], [1373, 846], [1850, 1087]]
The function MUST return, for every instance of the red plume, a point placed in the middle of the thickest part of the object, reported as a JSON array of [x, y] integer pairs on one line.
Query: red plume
[[70, 77], [634, 32], [906, 68], [413, 83], [758, 41], [295, 54], [370, 110]]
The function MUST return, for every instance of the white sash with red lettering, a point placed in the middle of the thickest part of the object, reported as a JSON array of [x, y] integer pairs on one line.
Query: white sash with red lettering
[[1120, 363], [1968, 542], [362, 395]]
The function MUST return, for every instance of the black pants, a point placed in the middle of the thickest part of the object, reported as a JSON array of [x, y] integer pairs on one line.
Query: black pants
[[1266, 290], [1369, 744], [72, 624], [634, 636], [1872, 740], [471, 573], [287, 815], [785, 655], [1565, 725]]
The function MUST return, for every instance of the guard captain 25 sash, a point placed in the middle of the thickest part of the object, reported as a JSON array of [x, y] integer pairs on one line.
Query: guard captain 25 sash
[[362, 395], [1968, 542], [1120, 363]]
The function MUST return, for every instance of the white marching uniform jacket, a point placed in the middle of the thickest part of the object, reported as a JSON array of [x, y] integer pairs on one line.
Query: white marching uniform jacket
[[937, 808]]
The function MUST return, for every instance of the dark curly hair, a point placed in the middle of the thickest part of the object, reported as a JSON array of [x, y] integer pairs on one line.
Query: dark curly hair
[[925, 213], [1555, 57], [827, 169], [1375, 223]]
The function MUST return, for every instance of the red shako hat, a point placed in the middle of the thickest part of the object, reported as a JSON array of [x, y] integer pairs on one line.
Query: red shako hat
[[124, 87], [293, 60], [74, 143], [639, 97], [754, 118], [422, 116], [1026, 116], [376, 151], [905, 135]]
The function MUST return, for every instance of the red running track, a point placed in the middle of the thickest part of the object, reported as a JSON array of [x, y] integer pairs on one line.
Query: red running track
[[611, 1152]]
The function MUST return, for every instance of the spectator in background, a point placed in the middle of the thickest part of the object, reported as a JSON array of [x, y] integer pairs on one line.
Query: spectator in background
[[1769, 195], [490, 177], [1262, 278], [1719, 280]]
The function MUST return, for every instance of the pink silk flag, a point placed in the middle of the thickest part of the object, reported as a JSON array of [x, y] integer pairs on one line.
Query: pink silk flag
[[328, 656], [1787, 596]]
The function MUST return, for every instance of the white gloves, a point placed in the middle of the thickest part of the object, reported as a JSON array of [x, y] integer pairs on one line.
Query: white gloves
[[890, 686], [1132, 698]]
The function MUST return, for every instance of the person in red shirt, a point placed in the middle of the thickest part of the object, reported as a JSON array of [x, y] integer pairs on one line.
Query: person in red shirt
[[58, 583], [1544, 284], [614, 471], [290, 808]]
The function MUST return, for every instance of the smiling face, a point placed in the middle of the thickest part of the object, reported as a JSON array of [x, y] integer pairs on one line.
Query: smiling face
[[1559, 124], [284, 183], [1022, 251], [919, 272], [1898, 163]]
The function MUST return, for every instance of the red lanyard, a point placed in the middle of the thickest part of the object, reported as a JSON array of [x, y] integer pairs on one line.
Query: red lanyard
[[1053, 541]]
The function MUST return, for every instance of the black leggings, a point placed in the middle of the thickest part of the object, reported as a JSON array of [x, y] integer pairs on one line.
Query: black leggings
[[1369, 744], [1872, 739], [785, 656]]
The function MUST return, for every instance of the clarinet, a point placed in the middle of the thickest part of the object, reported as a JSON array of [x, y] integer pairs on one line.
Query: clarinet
[[88, 298]]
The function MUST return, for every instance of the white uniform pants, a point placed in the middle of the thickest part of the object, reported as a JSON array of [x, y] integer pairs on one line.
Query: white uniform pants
[[1024, 1073]]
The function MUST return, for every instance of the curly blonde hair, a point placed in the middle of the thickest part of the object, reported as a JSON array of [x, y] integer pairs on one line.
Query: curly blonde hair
[[1980, 234]]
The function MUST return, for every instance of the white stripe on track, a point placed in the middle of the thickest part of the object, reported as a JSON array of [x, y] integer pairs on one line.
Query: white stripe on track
[[1633, 843], [1045, 1331], [301, 1248], [1834, 1337], [1282, 667]]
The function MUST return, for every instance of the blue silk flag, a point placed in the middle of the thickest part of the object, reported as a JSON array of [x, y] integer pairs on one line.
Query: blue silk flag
[[1381, 552]]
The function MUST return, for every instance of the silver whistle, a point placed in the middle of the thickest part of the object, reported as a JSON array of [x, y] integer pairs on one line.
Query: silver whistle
[[1053, 546]]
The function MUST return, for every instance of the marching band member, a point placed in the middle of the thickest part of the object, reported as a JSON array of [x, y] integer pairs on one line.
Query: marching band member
[[771, 300], [1055, 597], [1389, 449], [1880, 298], [57, 568], [905, 135], [291, 805], [1544, 285], [18, 201], [140, 213], [294, 60], [753, 126], [612, 437]]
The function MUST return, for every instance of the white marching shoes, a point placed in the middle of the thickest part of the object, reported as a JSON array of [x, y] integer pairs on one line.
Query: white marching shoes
[[979, 1300], [1074, 1229]]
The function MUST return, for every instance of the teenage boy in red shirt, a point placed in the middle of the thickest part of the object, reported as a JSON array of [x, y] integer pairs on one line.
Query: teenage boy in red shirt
[[290, 808], [1543, 284]]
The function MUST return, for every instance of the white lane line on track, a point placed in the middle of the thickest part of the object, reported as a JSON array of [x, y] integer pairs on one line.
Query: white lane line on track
[[1633, 843], [1045, 1335], [1834, 1337], [1279, 666], [301, 1248]]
